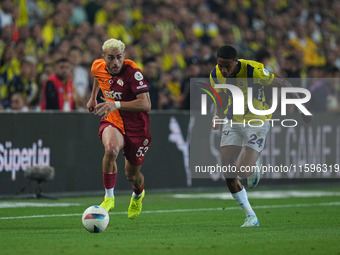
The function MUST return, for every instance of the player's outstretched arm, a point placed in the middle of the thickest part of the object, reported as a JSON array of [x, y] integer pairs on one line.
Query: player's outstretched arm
[[92, 103], [280, 83]]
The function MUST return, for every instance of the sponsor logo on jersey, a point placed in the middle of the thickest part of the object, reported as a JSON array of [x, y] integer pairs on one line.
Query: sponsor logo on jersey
[[265, 72], [241, 84], [113, 95], [138, 76], [142, 86], [120, 82], [259, 94], [146, 141], [111, 81]]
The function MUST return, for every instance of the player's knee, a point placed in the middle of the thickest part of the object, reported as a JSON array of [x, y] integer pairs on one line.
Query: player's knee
[[111, 151], [130, 176]]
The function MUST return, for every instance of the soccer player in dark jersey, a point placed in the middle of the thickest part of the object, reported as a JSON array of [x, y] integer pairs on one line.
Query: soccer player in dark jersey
[[241, 146], [125, 124]]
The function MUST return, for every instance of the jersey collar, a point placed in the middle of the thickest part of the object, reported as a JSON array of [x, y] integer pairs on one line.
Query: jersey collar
[[238, 68]]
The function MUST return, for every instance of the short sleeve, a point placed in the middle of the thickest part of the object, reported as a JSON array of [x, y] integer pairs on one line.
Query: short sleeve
[[138, 82]]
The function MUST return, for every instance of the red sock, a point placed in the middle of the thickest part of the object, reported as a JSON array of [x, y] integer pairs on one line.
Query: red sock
[[109, 180], [138, 191]]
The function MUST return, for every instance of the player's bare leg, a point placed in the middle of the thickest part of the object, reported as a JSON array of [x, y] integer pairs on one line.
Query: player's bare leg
[[113, 142], [240, 156], [134, 175], [249, 157], [229, 155]]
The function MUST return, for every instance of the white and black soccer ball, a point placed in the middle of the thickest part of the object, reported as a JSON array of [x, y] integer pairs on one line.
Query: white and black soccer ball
[[95, 219]]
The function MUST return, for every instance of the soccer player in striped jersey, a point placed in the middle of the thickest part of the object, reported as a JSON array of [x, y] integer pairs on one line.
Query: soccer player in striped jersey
[[125, 124], [241, 145]]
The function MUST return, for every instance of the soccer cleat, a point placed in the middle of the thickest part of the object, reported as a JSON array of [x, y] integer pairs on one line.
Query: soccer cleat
[[254, 178], [135, 207], [251, 221], [108, 203]]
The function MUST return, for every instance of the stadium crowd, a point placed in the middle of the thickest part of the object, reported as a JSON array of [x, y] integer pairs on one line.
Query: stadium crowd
[[171, 40]]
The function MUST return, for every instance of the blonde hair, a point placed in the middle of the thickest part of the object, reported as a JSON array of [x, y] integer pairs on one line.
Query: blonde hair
[[113, 44]]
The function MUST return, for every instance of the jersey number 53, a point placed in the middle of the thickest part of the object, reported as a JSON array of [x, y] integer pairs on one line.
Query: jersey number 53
[[141, 151]]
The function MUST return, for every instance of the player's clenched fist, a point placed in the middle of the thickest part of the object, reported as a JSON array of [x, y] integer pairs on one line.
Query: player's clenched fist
[[91, 105]]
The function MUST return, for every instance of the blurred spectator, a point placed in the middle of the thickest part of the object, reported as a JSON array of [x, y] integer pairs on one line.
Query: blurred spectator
[[79, 14], [173, 58], [165, 100], [151, 73], [34, 13], [6, 11], [170, 90], [190, 55], [18, 103], [36, 45], [57, 91], [6, 37], [25, 83], [80, 78], [55, 29], [9, 67], [192, 71], [265, 57], [291, 67], [94, 46], [136, 54], [207, 61], [103, 15], [92, 8], [302, 42], [204, 28], [47, 71], [117, 25]]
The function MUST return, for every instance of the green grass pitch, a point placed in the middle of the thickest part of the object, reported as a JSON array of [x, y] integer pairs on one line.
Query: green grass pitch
[[168, 225]]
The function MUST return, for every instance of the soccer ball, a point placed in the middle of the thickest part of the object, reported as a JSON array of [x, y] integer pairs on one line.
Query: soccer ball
[[95, 219]]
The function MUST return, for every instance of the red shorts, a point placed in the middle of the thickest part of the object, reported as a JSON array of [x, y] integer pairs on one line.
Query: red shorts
[[135, 147]]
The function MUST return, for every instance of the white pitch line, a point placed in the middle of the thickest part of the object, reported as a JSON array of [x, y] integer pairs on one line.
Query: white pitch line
[[183, 210], [260, 194], [31, 204]]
